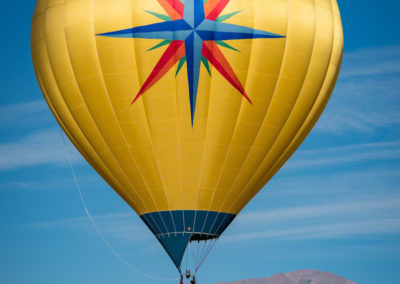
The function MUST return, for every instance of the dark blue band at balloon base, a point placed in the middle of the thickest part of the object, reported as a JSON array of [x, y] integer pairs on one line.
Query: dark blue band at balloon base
[[175, 229]]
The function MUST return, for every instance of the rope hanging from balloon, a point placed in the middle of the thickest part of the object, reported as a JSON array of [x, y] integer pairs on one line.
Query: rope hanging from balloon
[[196, 253], [101, 235]]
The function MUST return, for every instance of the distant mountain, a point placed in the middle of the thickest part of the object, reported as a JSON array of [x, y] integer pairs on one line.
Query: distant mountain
[[298, 277]]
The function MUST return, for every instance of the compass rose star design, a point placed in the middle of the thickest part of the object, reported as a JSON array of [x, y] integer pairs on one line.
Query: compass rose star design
[[193, 30]]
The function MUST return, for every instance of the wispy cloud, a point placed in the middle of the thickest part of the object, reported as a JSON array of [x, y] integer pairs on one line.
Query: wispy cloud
[[325, 231], [25, 114], [337, 209], [124, 228], [19, 185], [371, 61], [41, 183], [40, 148], [377, 216], [380, 151], [367, 95], [346, 184]]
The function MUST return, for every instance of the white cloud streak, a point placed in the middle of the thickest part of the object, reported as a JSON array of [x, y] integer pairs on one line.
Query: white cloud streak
[[380, 151], [19, 185], [41, 148], [52, 183], [379, 216], [352, 184], [325, 231], [356, 208], [24, 114], [371, 61], [125, 228], [367, 95]]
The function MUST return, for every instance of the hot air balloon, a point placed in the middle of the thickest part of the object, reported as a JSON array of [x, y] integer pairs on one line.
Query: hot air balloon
[[187, 108]]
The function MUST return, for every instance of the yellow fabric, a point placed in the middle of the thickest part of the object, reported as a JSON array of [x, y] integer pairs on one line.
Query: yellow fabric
[[148, 151]]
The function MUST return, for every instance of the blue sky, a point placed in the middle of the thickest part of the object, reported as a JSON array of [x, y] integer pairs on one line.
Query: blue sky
[[335, 206]]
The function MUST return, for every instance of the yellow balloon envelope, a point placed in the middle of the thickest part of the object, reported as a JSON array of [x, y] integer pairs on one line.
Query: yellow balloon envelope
[[187, 108]]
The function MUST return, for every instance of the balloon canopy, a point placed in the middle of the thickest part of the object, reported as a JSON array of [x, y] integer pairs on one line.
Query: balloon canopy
[[187, 108]]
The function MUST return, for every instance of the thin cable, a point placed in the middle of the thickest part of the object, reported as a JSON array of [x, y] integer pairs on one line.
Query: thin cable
[[194, 253], [207, 244], [89, 215], [198, 254], [213, 242]]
